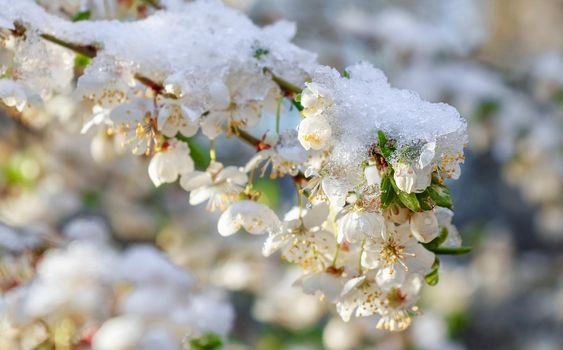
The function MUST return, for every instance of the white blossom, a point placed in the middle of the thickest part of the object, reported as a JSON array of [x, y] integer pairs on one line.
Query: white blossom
[[410, 179], [174, 118], [359, 225], [284, 156], [328, 283], [17, 95], [397, 214], [444, 216], [396, 253], [373, 177], [359, 297], [315, 133], [170, 163], [424, 226], [302, 240], [254, 217], [398, 304], [218, 185], [315, 100], [203, 65]]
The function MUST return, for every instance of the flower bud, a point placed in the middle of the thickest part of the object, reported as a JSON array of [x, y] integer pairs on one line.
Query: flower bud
[[410, 179], [314, 133], [356, 226], [404, 177], [424, 226], [315, 100], [168, 165], [397, 214], [372, 175]]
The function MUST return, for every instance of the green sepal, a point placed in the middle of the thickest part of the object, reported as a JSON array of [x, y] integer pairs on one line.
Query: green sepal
[[81, 16], [197, 152], [81, 61], [438, 241], [558, 97], [433, 277], [208, 341], [440, 194], [409, 200], [387, 195], [382, 140], [260, 52], [486, 110], [452, 250], [297, 105], [425, 200]]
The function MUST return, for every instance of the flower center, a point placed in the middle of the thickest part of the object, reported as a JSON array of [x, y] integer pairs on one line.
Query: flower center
[[392, 252], [396, 298], [312, 138]]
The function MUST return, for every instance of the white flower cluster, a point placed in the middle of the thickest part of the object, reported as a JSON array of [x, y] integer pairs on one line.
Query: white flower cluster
[[369, 160], [87, 292]]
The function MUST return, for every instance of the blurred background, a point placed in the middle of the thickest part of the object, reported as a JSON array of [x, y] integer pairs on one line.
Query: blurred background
[[499, 62]]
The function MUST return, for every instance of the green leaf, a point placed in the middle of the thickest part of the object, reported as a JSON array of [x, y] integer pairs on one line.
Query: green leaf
[[433, 277], [297, 105], [558, 97], [452, 250], [199, 155], [81, 61], [209, 341], [458, 322], [260, 52], [440, 194], [486, 110], [381, 138], [387, 193], [435, 246], [346, 74], [425, 200], [382, 142], [409, 200], [270, 190], [92, 199], [81, 16], [438, 241]]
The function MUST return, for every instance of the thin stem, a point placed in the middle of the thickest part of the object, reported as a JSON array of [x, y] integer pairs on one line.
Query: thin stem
[[212, 154], [299, 202], [91, 51], [284, 84], [86, 50], [156, 87], [278, 114], [336, 255], [246, 137]]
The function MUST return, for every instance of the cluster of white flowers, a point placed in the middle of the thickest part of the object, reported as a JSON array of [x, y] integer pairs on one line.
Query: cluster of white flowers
[[519, 124], [368, 161], [84, 291], [514, 113]]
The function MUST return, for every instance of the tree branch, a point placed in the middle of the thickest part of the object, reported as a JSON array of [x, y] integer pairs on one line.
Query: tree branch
[[289, 88], [86, 50]]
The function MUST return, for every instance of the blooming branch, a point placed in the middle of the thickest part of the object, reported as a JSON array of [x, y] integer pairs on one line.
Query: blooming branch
[[372, 160]]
